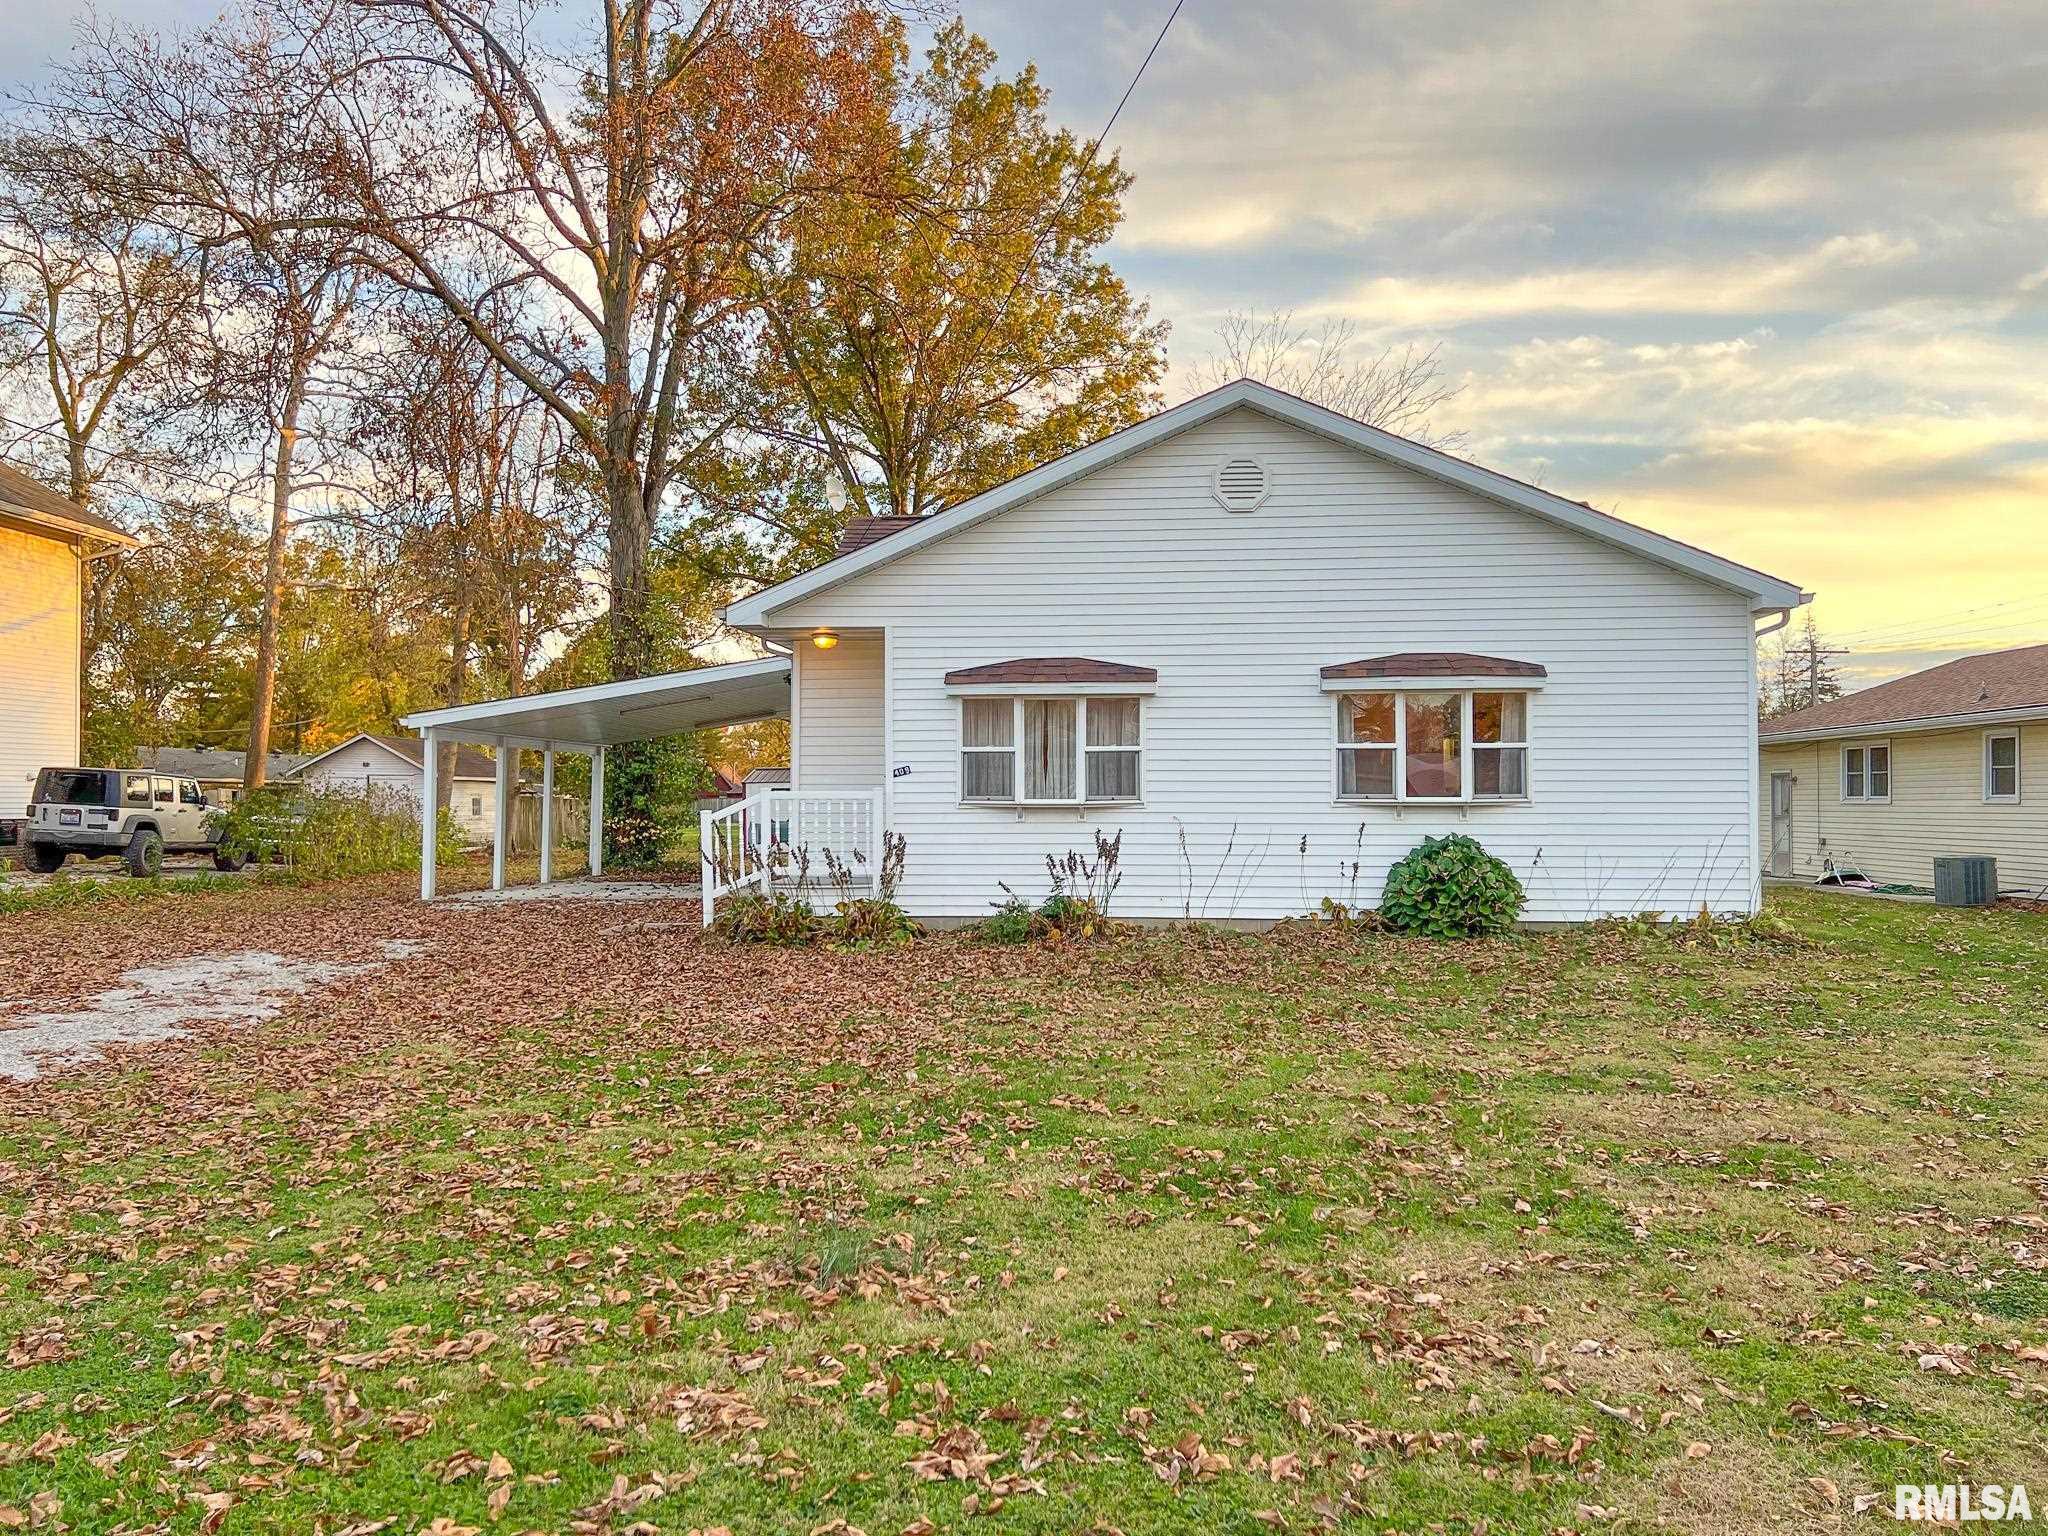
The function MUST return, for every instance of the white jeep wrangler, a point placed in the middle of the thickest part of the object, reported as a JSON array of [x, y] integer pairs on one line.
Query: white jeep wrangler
[[124, 813]]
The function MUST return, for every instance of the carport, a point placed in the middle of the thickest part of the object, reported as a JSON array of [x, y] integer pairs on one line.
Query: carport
[[587, 721]]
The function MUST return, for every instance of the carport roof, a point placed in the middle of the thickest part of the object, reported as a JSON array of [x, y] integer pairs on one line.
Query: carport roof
[[605, 714]]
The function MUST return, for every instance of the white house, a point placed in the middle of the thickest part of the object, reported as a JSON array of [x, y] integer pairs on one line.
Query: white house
[[46, 541], [1271, 649], [391, 764], [1951, 760]]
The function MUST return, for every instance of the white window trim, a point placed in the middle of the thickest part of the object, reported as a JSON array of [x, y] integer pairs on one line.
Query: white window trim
[[1842, 773], [1467, 795], [1078, 694], [2018, 788]]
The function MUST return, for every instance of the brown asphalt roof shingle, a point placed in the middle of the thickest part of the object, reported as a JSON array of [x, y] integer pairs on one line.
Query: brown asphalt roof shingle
[[31, 495], [863, 531], [1051, 669], [1973, 685], [1433, 664]]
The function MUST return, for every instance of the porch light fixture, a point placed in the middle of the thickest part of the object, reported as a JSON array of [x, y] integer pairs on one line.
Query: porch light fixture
[[824, 639]]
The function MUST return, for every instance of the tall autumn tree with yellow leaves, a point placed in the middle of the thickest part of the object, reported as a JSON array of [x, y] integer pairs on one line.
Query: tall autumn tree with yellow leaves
[[950, 319]]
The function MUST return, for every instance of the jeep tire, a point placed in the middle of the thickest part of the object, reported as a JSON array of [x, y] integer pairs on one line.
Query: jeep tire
[[229, 863], [145, 854], [42, 858]]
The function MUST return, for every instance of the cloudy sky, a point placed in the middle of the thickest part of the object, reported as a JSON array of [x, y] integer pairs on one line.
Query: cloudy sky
[[1769, 277]]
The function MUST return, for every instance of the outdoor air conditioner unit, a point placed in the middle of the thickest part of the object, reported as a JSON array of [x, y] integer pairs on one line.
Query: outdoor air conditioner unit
[[1966, 882]]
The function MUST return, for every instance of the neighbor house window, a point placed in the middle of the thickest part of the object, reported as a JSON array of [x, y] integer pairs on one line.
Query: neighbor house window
[[2002, 765], [1049, 751], [1419, 745], [476, 805], [1867, 773]]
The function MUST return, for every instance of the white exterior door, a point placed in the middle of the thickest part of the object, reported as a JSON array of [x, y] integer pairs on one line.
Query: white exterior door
[[1781, 823]]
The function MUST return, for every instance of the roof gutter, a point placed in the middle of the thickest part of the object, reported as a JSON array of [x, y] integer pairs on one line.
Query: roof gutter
[[69, 531]]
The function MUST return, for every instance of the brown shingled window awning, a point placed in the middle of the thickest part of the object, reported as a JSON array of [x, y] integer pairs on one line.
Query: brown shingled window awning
[[1046, 672], [1434, 668]]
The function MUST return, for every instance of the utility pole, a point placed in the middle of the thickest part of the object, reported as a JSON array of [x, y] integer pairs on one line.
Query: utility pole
[[1815, 652]]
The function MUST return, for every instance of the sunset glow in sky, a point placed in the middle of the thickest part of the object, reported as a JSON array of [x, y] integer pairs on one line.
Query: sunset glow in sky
[[1772, 278], [1768, 277]]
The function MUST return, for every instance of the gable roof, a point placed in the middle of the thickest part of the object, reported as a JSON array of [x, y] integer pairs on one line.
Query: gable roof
[[880, 546], [26, 498], [208, 763], [769, 778], [1997, 685], [469, 762]]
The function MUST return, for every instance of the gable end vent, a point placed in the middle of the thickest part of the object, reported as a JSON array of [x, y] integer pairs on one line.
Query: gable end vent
[[1241, 485]]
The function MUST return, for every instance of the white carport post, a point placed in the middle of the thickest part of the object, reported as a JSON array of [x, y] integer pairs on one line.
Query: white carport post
[[596, 812], [547, 814], [501, 815], [430, 811]]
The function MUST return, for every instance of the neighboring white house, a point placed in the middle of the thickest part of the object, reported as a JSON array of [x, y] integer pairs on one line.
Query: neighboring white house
[[1265, 645], [391, 764], [1952, 760], [45, 542]]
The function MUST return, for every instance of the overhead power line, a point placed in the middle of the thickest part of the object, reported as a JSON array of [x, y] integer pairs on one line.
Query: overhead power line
[[1052, 222], [108, 453]]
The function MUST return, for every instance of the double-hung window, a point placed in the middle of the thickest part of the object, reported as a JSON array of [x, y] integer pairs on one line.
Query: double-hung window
[[1432, 744], [1867, 773], [1033, 750], [2002, 766]]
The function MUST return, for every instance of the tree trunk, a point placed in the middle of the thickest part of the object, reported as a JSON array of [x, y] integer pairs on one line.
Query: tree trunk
[[253, 774], [629, 533]]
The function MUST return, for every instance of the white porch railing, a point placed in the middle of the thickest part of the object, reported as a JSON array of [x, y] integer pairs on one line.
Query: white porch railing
[[780, 835]]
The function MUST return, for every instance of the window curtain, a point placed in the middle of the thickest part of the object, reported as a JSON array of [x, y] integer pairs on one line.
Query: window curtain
[[988, 765], [1049, 749], [1112, 728]]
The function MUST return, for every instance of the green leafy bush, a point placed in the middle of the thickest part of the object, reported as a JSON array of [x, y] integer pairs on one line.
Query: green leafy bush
[[870, 920], [1012, 922], [777, 917], [1451, 888], [327, 833]]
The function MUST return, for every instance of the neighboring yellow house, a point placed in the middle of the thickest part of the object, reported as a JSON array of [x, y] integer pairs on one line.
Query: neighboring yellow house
[[45, 541], [1952, 760]]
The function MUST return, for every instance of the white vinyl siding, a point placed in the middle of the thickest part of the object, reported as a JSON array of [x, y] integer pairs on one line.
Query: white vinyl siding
[[1643, 728], [1937, 808], [38, 662], [841, 714]]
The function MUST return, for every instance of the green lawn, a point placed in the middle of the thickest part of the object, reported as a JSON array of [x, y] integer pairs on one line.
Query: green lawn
[[1597, 1231]]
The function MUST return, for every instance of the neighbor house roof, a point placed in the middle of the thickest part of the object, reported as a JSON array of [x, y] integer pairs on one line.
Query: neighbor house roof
[[878, 546], [469, 762], [1051, 669], [26, 498], [206, 763], [1996, 685], [1434, 664], [860, 532], [768, 778]]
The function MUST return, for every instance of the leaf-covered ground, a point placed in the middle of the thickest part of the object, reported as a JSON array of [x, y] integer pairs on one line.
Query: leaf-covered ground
[[571, 1221]]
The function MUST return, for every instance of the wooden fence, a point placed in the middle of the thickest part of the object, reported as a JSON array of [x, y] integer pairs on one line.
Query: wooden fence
[[572, 822]]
